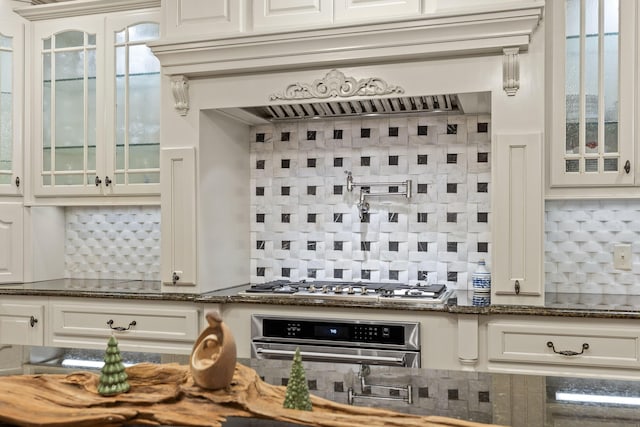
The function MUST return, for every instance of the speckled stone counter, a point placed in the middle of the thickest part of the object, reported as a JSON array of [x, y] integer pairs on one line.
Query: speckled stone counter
[[462, 302]]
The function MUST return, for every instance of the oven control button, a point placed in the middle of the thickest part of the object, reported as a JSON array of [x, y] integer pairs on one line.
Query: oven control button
[[386, 332]]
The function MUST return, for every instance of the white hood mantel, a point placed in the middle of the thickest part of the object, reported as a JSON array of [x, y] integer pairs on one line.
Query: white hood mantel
[[478, 32]]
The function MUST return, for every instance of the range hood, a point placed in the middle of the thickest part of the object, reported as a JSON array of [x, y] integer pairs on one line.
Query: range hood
[[367, 107], [464, 103]]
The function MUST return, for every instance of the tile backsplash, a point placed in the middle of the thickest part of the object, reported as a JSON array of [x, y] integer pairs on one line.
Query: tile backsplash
[[112, 243], [305, 224], [580, 236]]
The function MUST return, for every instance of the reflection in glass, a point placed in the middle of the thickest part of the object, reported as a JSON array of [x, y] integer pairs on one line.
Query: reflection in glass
[[610, 63], [572, 76], [6, 109], [137, 115], [591, 95]]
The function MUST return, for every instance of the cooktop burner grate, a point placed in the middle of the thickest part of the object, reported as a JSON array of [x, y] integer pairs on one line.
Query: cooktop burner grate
[[369, 290]]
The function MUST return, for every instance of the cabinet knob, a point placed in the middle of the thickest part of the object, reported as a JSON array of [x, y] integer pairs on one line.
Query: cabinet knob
[[18, 181], [98, 181], [33, 321], [627, 166], [107, 181], [175, 277], [517, 287]]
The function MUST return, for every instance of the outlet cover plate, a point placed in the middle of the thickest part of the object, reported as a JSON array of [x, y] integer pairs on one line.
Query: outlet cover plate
[[622, 257]]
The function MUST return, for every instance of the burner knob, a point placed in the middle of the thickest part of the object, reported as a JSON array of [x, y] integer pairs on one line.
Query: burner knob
[[325, 289], [337, 289], [350, 290], [364, 291], [312, 288]]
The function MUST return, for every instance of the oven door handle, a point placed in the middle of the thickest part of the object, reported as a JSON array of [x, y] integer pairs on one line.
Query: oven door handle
[[333, 357]]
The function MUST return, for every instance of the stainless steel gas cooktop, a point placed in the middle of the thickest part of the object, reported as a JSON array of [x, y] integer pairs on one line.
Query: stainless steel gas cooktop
[[388, 292]]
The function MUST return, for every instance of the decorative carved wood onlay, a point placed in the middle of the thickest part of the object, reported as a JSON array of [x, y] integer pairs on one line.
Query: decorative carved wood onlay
[[335, 84], [511, 70], [180, 89]]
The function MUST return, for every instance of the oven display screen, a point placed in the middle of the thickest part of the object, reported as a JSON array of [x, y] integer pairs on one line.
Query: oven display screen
[[331, 331]]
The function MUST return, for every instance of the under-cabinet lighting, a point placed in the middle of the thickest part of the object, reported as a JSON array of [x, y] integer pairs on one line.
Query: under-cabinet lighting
[[597, 398], [80, 363]]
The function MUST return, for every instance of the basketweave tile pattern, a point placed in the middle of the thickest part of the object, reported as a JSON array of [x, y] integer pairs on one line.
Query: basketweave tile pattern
[[435, 392], [579, 239], [305, 224], [112, 243]]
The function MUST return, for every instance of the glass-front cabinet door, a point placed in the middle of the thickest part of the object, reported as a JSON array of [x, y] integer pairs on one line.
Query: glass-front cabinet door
[[11, 107], [100, 106], [135, 89], [69, 103], [594, 55]]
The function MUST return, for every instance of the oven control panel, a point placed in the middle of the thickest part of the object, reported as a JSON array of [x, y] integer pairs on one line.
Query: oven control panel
[[334, 331]]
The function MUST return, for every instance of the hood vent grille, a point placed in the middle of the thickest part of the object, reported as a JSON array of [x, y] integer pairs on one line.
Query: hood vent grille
[[373, 106]]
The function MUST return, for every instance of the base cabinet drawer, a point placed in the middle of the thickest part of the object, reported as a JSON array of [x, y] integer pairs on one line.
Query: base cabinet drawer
[[575, 345], [137, 325]]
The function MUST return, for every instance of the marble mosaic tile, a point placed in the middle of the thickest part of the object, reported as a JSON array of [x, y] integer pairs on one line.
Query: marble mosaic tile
[[299, 195]]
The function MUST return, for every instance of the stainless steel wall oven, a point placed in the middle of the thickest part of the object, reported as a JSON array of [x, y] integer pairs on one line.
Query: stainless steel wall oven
[[336, 340]]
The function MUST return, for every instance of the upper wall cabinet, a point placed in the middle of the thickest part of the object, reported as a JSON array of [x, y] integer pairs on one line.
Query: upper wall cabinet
[[204, 18], [594, 77], [11, 107], [96, 112]]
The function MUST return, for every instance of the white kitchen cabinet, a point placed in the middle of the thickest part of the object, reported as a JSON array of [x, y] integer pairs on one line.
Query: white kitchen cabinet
[[561, 345], [593, 84], [11, 106], [11, 242], [22, 320], [96, 121], [371, 10], [189, 17], [518, 220], [179, 239], [269, 15], [150, 326]]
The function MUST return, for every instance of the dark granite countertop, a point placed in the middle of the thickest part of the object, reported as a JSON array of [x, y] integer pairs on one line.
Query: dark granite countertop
[[461, 302]]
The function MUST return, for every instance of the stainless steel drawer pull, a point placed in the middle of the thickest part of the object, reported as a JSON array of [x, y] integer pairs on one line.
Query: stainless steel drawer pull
[[120, 328], [585, 346], [329, 357]]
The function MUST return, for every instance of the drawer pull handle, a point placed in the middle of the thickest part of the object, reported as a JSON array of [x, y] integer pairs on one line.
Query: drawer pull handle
[[33, 321], [585, 346], [120, 328]]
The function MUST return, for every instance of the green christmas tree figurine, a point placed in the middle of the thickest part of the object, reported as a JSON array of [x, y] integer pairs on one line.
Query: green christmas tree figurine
[[297, 395], [113, 378]]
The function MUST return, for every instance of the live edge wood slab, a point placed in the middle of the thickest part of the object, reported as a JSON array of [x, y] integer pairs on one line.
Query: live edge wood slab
[[164, 394]]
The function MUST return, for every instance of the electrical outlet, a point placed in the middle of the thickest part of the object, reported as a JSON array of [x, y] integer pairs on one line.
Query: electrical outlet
[[622, 257]]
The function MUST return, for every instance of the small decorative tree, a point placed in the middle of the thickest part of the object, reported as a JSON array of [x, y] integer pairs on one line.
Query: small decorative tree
[[297, 395], [113, 378]]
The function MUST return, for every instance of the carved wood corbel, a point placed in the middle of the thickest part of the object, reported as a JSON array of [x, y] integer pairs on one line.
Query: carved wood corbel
[[180, 89], [511, 70]]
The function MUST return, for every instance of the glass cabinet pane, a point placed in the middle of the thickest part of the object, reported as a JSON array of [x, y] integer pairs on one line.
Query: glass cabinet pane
[[572, 76], [591, 86], [6, 109], [69, 108], [137, 116]]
